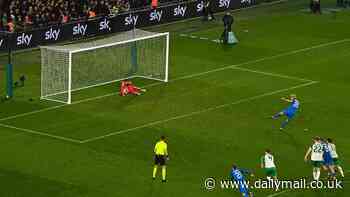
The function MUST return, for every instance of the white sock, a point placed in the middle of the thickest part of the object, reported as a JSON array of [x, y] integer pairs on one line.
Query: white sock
[[341, 171], [314, 174], [318, 173]]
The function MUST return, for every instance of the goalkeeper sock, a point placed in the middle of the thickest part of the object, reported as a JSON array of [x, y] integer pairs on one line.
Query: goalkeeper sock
[[155, 171], [164, 172]]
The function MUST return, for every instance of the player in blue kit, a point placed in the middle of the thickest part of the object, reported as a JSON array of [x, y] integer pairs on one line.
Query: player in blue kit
[[290, 111], [328, 163], [237, 175]]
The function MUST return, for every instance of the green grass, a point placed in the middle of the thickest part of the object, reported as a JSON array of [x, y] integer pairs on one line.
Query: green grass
[[211, 118]]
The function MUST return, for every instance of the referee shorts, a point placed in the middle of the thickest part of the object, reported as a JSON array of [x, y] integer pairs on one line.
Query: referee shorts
[[159, 160]]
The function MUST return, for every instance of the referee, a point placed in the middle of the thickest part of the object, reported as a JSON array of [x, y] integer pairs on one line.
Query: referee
[[161, 155]]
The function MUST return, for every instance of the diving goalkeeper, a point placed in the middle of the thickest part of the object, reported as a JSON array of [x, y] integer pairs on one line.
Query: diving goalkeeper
[[127, 87]]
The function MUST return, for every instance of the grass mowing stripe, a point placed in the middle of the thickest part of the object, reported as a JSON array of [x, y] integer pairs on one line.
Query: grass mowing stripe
[[186, 77], [199, 112]]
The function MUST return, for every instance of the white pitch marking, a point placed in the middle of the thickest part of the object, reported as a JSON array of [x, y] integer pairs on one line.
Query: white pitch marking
[[41, 133], [272, 74], [277, 194]]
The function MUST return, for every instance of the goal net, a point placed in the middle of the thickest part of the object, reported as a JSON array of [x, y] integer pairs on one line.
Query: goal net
[[69, 68]]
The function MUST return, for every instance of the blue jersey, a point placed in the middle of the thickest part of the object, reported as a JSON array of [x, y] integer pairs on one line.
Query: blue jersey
[[292, 108], [327, 156], [238, 176], [294, 104]]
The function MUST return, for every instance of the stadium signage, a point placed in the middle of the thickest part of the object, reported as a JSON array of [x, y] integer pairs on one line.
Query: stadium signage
[[52, 34], [79, 29], [131, 19], [118, 23], [156, 15], [105, 25], [180, 10], [224, 3], [24, 39], [200, 6]]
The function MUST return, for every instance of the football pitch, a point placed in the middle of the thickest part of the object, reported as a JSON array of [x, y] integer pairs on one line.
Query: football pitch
[[215, 111]]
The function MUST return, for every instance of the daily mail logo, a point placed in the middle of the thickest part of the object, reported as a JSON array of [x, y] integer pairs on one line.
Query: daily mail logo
[[224, 3], [105, 25], [156, 15], [180, 11], [52, 34], [131, 19], [24, 39], [79, 29], [200, 6]]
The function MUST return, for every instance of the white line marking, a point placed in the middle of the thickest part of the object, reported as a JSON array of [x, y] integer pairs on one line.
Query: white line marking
[[186, 77], [203, 38], [198, 112], [66, 105], [272, 74], [278, 193], [41, 133]]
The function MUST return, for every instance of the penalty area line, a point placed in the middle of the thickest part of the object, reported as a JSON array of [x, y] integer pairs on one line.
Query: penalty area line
[[198, 112], [40, 133]]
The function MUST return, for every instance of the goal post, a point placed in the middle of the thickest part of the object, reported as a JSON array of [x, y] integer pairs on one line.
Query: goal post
[[69, 68]]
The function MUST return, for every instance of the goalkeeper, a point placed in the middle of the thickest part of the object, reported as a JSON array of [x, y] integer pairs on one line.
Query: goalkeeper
[[127, 87]]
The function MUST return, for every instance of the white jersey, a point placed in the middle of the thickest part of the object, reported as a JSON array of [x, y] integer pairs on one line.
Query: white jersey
[[333, 150], [268, 161], [317, 152]]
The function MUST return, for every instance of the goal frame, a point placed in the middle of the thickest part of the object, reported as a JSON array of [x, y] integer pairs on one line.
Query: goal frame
[[71, 52]]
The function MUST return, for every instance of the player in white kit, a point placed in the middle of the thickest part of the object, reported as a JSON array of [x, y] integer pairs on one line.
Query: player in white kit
[[268, 164], [316, 151]]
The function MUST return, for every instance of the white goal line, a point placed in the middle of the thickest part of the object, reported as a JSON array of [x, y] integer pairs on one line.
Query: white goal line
[[189, 76]]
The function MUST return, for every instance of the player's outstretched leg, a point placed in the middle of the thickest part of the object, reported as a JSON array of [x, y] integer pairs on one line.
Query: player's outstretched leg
[[284, 124], [277, 115]]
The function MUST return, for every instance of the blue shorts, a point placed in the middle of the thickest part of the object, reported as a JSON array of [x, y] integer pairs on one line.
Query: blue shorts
[[290, 112], [327, 161]]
